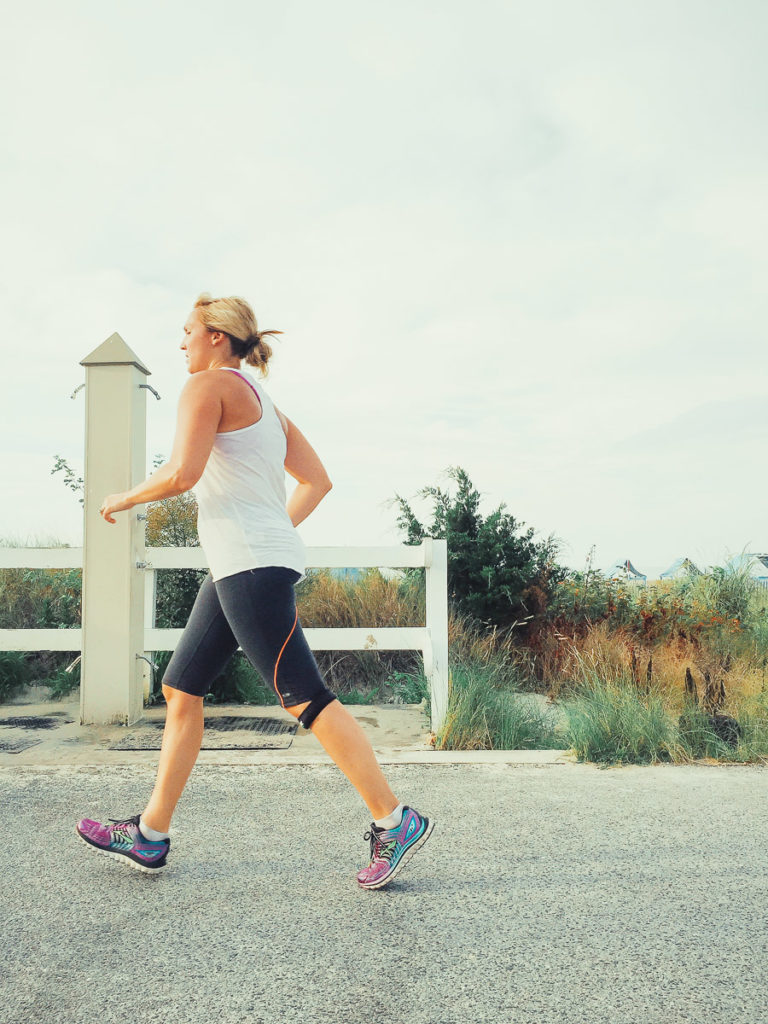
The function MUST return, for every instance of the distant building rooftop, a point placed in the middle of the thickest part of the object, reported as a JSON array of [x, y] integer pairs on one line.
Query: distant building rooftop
[[757, 564], [624, 570], [680, 568]]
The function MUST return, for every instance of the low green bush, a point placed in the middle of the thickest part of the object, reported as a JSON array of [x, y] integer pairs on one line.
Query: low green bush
[[14, 674], [610, 722], [239, 683], [359, 697], [63, 683], [410, 688], [746, 734], [487, 710]]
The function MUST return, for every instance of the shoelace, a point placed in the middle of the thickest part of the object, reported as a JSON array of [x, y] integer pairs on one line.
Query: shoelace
[[132, 821], [380, 850], [126, 821]]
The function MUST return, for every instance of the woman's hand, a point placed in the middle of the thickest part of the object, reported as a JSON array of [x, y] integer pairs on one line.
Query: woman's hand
[[115, 503]]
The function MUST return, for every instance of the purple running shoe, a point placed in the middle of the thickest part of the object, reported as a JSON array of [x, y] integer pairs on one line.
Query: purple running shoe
[[391, 848], [124, 841]]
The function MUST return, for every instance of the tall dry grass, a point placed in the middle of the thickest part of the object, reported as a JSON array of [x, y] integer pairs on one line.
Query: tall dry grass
[[374, 600], [616, 656]]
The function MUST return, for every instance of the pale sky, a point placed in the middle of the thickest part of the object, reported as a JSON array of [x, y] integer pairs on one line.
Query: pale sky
[[526, 239]]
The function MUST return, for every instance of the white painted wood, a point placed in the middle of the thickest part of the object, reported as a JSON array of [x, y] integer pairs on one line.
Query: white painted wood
[[399, 638], [41, 558], [394, 556], [111, 687], [390, 557], [383, 638], [41, 639], [431, 640], [437, 624], [176, 558]]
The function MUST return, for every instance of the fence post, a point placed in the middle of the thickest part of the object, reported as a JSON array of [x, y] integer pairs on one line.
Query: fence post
[[436, 666], [111, 681]]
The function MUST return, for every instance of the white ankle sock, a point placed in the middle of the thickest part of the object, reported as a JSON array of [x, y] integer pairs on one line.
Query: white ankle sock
[[392, 820], [151, 833]]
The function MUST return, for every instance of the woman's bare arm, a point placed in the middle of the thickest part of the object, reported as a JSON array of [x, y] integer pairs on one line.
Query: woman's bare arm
[[304, 465], [198, 418]]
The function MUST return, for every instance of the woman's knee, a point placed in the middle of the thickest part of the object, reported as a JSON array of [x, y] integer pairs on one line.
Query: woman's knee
[[180, 699], [296, 709], [309, 710]]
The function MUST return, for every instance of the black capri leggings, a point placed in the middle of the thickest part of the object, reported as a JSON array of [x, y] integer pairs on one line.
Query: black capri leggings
[[254, 610]]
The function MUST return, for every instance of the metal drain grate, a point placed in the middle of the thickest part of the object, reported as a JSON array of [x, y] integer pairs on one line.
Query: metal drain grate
[[229, 732], [269, 726], [14, 745], [35, 721]]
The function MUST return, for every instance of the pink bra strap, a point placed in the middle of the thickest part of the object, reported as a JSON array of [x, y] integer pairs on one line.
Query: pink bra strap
[[253, 389]]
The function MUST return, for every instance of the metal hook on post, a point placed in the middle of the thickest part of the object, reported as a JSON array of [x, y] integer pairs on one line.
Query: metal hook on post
[[150, 388], [152, 666], [78, 388]]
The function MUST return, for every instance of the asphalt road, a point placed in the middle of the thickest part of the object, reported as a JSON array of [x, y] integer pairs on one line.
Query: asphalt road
[[560, 894]]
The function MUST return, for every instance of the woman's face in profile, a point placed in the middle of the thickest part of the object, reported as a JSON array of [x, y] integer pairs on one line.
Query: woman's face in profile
[[196, 343]]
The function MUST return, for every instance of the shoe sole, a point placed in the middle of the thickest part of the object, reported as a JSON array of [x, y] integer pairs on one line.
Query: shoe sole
[[121, 857], [403, 860]]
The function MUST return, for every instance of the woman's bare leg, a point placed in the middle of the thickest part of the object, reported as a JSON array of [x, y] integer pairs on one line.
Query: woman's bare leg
[[351, 750], [336, 729], [182, 737]]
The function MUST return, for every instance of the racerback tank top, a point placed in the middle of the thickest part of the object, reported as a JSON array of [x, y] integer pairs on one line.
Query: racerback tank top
[[242, 520]]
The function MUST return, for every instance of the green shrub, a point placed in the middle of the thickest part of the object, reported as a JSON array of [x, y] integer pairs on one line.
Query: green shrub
[[497, 572], [39, 598], [753, 720], [410, 687], [358, 697], [697, 734], [175, 593], [610, 722], [240, 683], [14, 674], [62, 682], [487, 710], [699, 737]]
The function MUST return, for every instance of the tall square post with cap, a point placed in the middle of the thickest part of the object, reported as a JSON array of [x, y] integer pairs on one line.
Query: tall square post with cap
[[111, 680]]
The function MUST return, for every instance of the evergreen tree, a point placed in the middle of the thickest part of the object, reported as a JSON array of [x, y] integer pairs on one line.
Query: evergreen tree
[[172, 523], [497, 573]]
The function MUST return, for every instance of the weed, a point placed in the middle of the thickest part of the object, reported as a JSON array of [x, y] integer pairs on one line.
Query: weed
[[14, 674]]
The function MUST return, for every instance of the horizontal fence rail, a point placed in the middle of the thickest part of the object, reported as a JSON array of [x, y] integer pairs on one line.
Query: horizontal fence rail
[[64, 639], [389, 557], [347, 638], [41, 558], [431, 639]]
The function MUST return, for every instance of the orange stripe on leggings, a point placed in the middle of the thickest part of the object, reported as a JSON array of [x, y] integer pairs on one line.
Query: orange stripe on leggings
[[274, 682]]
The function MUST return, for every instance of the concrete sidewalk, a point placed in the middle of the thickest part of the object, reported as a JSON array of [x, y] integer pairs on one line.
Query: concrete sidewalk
[[399, 735], [550, 894]]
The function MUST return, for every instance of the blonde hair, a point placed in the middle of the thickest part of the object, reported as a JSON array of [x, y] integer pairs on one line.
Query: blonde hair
[[234, 317]]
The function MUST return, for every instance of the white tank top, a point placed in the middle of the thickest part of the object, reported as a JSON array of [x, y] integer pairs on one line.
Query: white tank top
[[242, 521]]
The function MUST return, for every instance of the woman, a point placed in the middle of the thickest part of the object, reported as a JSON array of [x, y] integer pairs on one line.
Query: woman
[[233, 445]]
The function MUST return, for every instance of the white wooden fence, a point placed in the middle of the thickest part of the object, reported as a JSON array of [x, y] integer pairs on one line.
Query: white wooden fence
[[118, 569], [431, 639]]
